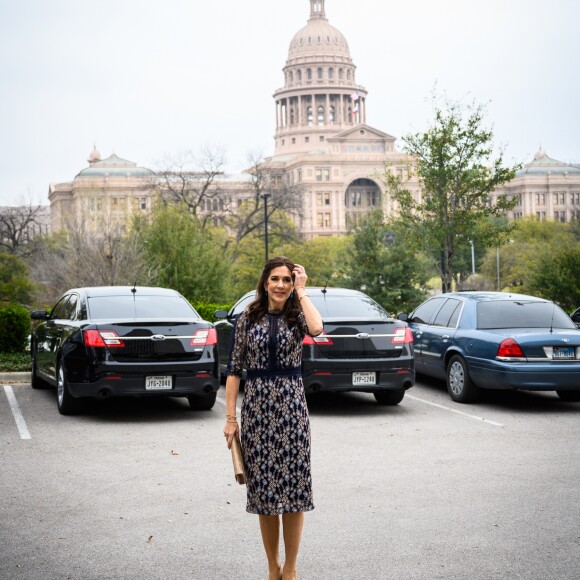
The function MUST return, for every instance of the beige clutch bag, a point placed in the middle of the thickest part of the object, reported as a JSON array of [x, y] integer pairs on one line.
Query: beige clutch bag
[[238, 461]]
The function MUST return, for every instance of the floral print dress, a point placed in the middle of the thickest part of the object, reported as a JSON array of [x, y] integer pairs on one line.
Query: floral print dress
[[275, 427]]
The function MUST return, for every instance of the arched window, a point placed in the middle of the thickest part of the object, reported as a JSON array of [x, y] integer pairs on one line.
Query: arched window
[[309, 74], [331, 73], [299, 74], [310, 118], [292, 116], [319, 73], [340, 74], [331, 114], [348, 75], [321, 115], [291, 75]]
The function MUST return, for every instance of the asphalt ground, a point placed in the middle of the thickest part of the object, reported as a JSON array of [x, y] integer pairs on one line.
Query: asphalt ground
[[144, 489]]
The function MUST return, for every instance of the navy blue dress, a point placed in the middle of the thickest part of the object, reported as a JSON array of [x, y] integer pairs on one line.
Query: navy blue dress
[[275, 426]]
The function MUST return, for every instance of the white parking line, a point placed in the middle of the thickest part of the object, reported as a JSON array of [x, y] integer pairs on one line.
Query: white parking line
[[454, 411], [20, 422], [223, 402]]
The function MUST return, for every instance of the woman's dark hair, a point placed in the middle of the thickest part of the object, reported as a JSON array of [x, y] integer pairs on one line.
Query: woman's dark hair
[[258, 308]]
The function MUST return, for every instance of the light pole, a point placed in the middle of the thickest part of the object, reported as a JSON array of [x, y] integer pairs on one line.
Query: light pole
[[265, 197], [472, 258]]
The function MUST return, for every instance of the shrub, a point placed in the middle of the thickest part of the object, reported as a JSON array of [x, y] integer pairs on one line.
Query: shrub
[[14, 328], [14, 362], [206, 311]]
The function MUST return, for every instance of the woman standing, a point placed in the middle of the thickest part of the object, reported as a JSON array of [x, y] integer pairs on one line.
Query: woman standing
[[267, 342]]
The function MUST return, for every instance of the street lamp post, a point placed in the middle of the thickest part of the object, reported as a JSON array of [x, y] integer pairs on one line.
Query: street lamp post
[[265, 197], [472, 258]]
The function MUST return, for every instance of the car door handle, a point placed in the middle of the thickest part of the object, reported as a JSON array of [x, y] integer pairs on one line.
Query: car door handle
[[445, 337], [418, 334]]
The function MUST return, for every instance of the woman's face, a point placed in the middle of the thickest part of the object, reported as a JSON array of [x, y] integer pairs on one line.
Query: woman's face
[[278, 285]]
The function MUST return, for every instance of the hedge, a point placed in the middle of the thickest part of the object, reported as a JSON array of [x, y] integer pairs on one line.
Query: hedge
[[14, 328], [206, 311]]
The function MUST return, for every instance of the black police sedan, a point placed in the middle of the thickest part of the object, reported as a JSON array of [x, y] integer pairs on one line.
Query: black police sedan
[[361, 348], [124, 341]]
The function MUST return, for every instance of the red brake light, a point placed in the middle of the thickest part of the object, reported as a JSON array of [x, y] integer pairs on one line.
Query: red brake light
[[322, 339], [102, 339], [402, 336], [509, 349], [204, 337]]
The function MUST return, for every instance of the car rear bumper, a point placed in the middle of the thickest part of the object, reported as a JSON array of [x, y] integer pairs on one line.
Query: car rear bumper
[[525, 376], [127, 385], [337, 375]]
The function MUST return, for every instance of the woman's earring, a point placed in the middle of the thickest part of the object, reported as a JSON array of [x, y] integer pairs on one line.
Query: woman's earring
[[266, 293], [291, 294]]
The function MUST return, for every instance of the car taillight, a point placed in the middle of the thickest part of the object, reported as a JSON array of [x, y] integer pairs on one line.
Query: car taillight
[[402, 336], [204, 337], [102, 339], [322, 339], [509, 349]]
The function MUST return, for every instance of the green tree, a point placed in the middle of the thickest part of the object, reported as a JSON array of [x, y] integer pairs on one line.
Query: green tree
[[541, 259], [457, 170], [15, 284], [384, 265], [187, 257]]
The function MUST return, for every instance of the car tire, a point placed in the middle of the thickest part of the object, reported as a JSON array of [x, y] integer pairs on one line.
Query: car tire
[[35, 380], [389, 397], [66, 403], [202, 402], [459, 385], [571, 396]]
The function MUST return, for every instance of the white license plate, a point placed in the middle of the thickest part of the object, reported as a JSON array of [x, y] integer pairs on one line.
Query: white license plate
[[364, 378], [563, 353], [158, 383]]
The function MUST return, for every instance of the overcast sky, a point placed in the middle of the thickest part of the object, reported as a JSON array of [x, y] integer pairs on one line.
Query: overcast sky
[[150, 78]]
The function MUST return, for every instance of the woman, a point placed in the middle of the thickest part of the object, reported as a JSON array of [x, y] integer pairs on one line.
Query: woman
[[267, 342]]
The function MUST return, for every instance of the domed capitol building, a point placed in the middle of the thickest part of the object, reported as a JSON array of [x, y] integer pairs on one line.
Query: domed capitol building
[[324, 149]]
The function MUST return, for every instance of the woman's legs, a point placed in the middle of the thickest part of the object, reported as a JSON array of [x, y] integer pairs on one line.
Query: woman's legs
[[292, 524], [270, 528]]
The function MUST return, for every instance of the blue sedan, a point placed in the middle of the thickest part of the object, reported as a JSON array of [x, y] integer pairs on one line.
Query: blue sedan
[[496, 340]]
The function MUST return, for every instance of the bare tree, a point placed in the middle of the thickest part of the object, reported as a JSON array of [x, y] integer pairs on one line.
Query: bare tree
[[270, 197], [18, 225], [79, 256], [193, 180]]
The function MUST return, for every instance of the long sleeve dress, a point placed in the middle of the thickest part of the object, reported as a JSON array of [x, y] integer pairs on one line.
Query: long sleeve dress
[[275, 426]]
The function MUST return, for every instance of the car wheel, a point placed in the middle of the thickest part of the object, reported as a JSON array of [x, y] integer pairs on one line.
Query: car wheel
[[202, 402], [459, 385], [66, 403], [572, 396], [35, 381], [389, 397]]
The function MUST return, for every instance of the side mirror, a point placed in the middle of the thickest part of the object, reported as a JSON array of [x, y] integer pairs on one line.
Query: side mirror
[[221, 314], [403, 316], [39, 315]]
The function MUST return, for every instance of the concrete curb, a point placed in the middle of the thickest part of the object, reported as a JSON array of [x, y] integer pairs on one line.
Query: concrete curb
[[10, 378]]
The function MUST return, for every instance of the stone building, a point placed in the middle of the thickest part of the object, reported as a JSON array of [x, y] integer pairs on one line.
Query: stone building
[[324, 148], [546, 188]]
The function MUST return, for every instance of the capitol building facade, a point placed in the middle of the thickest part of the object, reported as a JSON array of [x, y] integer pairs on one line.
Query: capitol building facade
[[324, 149]]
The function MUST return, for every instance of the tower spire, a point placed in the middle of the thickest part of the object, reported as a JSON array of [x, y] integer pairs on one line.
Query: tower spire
[[317, 9]]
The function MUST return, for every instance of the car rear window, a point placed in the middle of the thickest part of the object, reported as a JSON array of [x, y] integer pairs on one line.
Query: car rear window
[[347, 306], [123, 307], [521, 314]]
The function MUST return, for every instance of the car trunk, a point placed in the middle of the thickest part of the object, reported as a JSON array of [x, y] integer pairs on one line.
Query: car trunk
[[560, 344], [152, 341], [359, 339]]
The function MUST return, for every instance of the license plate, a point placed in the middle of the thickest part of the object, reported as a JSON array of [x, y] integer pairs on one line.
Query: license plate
[[364, 378], [563, 353], [158, 383]]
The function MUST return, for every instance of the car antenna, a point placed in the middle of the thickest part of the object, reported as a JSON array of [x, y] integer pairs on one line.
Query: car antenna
[[552, 321], [324, 290], [134, 289]]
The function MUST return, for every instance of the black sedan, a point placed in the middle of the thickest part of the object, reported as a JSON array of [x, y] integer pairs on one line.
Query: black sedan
[[496, 340], [362, 348], [124, 341]]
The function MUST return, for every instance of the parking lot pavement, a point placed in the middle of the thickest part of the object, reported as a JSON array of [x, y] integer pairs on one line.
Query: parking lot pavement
[[143, 489]]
